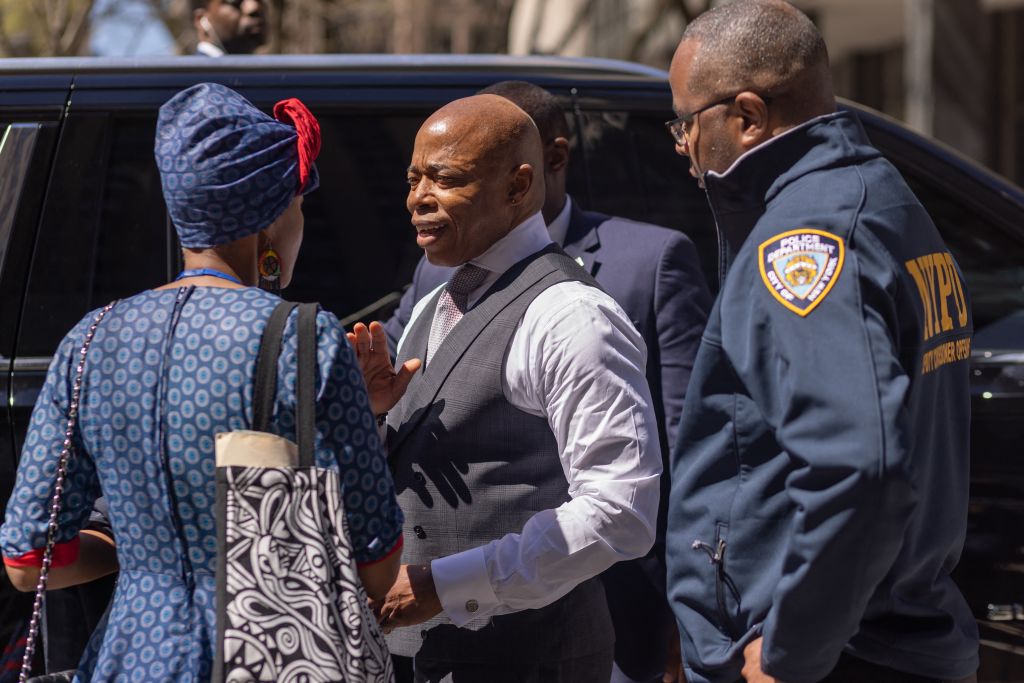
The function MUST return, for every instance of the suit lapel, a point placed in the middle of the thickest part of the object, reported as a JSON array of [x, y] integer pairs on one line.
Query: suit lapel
[[414, 345], [581, 239], [423, 389]]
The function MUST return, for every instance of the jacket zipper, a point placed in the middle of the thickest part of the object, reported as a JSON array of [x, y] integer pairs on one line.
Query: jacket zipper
[[716, 554]]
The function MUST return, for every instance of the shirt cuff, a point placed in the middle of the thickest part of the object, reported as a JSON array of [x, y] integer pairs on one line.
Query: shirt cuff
[[63, 555], [463, 586]]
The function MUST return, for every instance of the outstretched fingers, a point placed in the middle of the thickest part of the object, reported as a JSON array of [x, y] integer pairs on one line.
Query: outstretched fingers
[[361, 341], [405, 375], [378, 337]]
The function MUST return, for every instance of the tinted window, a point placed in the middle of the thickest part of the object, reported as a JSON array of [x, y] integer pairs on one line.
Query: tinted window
[[26, 149], [103, 234], [132, 240], [16, 145], [613, 164], [358, 243]]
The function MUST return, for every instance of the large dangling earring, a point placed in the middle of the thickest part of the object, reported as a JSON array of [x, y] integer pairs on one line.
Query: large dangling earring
[[270, 270]]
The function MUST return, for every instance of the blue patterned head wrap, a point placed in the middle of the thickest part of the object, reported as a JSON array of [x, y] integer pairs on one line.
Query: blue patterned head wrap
[[227, 169]]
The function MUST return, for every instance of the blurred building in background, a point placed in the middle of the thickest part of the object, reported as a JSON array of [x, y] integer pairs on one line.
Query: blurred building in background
[[63, 27], [389, 26], [951, 68]]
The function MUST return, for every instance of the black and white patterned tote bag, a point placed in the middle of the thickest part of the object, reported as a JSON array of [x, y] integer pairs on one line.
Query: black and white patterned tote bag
[[290, 605]]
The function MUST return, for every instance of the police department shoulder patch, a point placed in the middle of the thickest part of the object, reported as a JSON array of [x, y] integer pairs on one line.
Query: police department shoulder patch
[[800, 266]]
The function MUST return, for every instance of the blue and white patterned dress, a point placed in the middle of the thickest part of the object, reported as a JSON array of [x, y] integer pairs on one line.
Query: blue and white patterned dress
[[167, 370]]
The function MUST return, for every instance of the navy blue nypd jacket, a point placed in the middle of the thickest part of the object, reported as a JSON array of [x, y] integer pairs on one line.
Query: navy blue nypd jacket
[[820, 480]]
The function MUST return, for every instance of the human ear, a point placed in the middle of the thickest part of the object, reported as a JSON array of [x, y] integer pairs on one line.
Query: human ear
[[754, 125], [556, 156], [522, 181]]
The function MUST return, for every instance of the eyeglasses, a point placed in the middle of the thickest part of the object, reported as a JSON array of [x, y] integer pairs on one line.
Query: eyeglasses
[[679, 127]]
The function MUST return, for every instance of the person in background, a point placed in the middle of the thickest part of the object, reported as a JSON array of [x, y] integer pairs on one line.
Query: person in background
[[229, 27], [171, 367], [525, 450], [820, 479], [655, 275]]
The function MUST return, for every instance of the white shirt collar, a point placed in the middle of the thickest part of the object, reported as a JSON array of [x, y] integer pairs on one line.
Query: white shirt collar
[[527, 238], [559, 227], [209, 49]]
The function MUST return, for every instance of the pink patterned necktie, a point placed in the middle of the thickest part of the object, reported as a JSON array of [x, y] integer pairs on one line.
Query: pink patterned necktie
[[452, 304]]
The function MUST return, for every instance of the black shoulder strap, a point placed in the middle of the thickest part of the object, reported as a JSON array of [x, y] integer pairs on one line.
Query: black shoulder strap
[[264, 390], [305, 387]]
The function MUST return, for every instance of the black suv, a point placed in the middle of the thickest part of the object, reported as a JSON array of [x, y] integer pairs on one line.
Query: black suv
[[82, 222]]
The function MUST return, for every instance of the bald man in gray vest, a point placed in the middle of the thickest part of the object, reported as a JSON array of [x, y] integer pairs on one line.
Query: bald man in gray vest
[[525, 450]]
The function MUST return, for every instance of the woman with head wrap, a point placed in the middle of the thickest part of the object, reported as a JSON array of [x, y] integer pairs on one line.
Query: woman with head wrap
[[171, 367]]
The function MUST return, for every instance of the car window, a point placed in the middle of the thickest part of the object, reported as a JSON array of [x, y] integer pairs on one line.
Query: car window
[[992, 261], [16, 143], [103, 233], [132, 246], [26, 154], [358, 244]]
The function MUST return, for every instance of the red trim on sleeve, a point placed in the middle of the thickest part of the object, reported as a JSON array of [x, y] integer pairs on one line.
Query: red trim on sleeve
[[397, 547], [63, 555]]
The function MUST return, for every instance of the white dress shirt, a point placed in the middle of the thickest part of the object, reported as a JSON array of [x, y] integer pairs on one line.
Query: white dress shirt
[[577, 360], [207, 48], [558, 229]]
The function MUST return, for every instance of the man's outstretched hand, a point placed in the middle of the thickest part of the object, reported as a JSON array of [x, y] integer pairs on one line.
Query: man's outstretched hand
[[384, 385]]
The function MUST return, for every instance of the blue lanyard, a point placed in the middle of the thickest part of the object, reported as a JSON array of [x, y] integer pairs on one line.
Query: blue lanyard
[[211, 272]]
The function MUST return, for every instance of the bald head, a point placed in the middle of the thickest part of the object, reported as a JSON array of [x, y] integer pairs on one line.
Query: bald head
[[765, 46], [545, 111], [490, 127], [476, 173]]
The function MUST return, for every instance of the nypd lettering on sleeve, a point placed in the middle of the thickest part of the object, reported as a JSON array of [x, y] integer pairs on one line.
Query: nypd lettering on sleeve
[[944, 311], [799, 267]]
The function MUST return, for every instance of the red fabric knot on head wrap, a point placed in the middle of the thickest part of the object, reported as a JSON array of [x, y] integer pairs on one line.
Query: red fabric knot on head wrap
[[294, 112]]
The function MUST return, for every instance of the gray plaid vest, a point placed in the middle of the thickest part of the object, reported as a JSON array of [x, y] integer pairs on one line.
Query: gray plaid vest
[[469, 467]]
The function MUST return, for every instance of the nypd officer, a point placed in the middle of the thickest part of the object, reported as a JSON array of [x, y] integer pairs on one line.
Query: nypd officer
[[820, 480]]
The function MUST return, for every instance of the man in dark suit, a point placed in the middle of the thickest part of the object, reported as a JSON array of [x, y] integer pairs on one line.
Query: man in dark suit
[[654, 274]]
